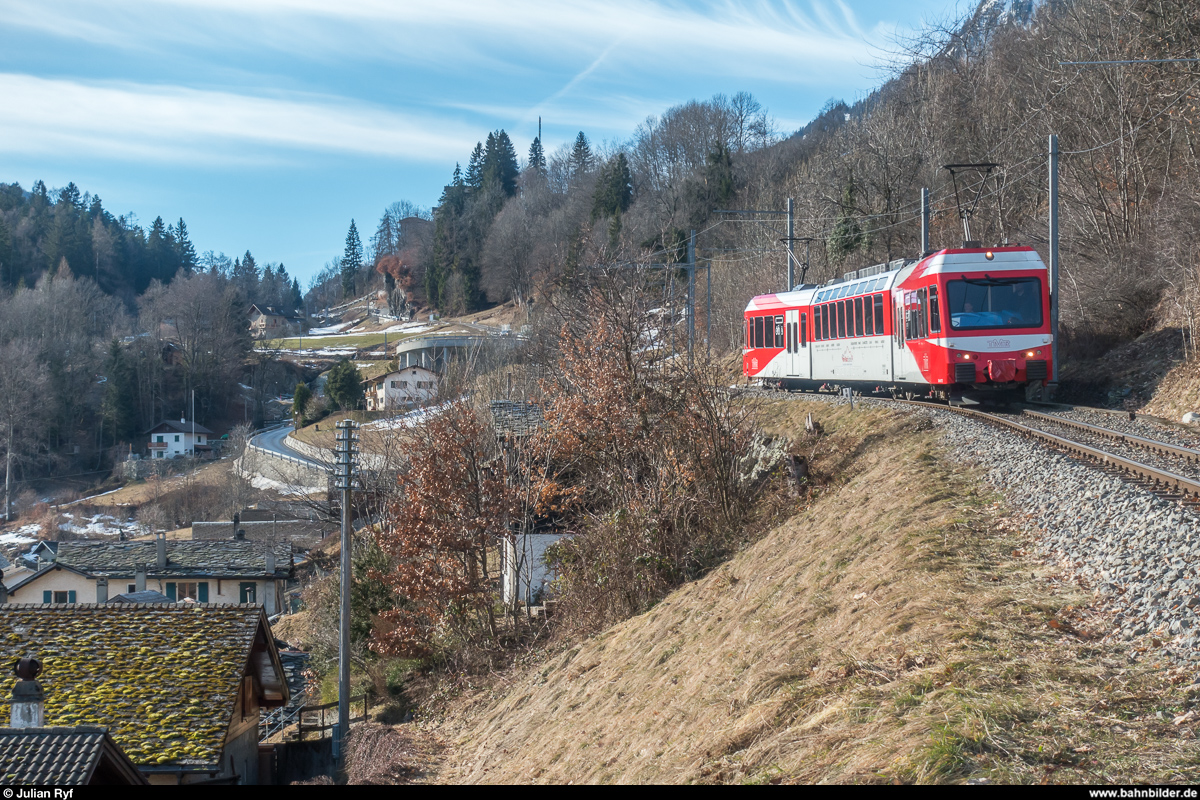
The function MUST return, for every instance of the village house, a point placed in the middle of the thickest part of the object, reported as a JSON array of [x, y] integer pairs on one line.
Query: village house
[[268, 322], [171, 439], [404, 388], [79, 756], [179, 688], [217, 571]]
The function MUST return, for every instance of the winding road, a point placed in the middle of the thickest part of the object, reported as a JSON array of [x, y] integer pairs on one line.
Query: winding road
[[275, 440]]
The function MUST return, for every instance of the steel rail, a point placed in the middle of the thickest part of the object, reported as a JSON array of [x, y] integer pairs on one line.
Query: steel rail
[[1158, 478], [1160, 481], [1137, 441]]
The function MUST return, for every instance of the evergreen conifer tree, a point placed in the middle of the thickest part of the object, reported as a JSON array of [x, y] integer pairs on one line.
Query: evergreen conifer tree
[[614, 189], [344, 385], [581, 157], [537, 156], [352, 260], [474, 177], [185, 251], [848, 236]]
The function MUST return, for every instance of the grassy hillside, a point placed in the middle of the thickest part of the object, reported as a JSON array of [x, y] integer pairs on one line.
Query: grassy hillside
[[893, 630]]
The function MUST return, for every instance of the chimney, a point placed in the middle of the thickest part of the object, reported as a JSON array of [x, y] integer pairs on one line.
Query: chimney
[[182, 419], [240, 535], [28, 699], [102, 589], [139, 580], [160, 549], [271, 563]]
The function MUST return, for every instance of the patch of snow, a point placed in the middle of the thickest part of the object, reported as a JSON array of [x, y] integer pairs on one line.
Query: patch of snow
[[95, 525], [26, 534], [410, 419], [408, 327]]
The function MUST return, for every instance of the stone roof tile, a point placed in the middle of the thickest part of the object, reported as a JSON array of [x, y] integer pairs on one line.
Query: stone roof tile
[[162, 678]]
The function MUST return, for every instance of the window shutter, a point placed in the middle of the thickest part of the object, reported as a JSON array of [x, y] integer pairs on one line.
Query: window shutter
[[71, 596], [203, 592], [171, 591], [47, 597]]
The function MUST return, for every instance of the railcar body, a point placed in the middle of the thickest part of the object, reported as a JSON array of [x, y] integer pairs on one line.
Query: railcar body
[[959, 323]]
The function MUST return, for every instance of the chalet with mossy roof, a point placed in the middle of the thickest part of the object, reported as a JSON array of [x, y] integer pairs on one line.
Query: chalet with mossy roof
[[179, 688]]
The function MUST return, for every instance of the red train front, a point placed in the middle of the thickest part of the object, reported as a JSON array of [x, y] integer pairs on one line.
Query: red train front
[[971, 323]]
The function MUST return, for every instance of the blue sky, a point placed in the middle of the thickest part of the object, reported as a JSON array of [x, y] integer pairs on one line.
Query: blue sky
[[268, 124]]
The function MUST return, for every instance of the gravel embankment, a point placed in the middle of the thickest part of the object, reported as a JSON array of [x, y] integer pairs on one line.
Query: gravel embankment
[[1138, 552], [1134, 548]]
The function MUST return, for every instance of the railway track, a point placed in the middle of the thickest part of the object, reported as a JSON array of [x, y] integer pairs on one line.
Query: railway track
[[1168, 470], [1154, 465]]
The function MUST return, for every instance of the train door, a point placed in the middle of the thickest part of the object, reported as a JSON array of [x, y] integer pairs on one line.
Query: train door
[[899, 349], [792, 357], [798, 363]]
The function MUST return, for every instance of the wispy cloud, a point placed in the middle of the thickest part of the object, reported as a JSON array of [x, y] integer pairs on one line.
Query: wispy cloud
[[139, 121], [714, 37]]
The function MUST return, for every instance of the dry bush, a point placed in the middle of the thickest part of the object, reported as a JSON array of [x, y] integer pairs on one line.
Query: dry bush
[[456, 506], [380, 755], [638, 458]]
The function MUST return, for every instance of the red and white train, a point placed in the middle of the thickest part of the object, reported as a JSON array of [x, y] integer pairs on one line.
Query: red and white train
[[959, 323]]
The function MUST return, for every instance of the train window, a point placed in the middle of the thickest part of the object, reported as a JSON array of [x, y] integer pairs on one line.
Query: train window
[[825, 323], [879, 284], [935, 316], [804, 330], [779, 331], [817, 322], [878, 313], [868, 317], [759, 337], [768, 332], [841, 317], [986, 302], [858, 320]]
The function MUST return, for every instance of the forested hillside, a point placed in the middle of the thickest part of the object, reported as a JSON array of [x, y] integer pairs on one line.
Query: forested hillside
[[990, 88], [106, 328]]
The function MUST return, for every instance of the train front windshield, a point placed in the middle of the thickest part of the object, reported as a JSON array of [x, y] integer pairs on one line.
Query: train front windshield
[[985, 303]]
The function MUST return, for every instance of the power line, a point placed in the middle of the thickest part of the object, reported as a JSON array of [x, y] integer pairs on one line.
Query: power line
[[1130, 61]]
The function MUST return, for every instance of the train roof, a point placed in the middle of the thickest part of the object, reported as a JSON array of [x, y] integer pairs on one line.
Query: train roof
[[879, 277]]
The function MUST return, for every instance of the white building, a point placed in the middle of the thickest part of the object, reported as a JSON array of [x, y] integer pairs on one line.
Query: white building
[[214, 571], [170, 439], [405, 388]]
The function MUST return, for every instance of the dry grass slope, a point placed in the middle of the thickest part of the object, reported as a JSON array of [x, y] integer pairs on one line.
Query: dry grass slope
[[891, 631]]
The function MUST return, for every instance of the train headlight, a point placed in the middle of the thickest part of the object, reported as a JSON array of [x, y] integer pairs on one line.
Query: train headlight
[[1039, 352], [989, 255], [1029, 354]]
